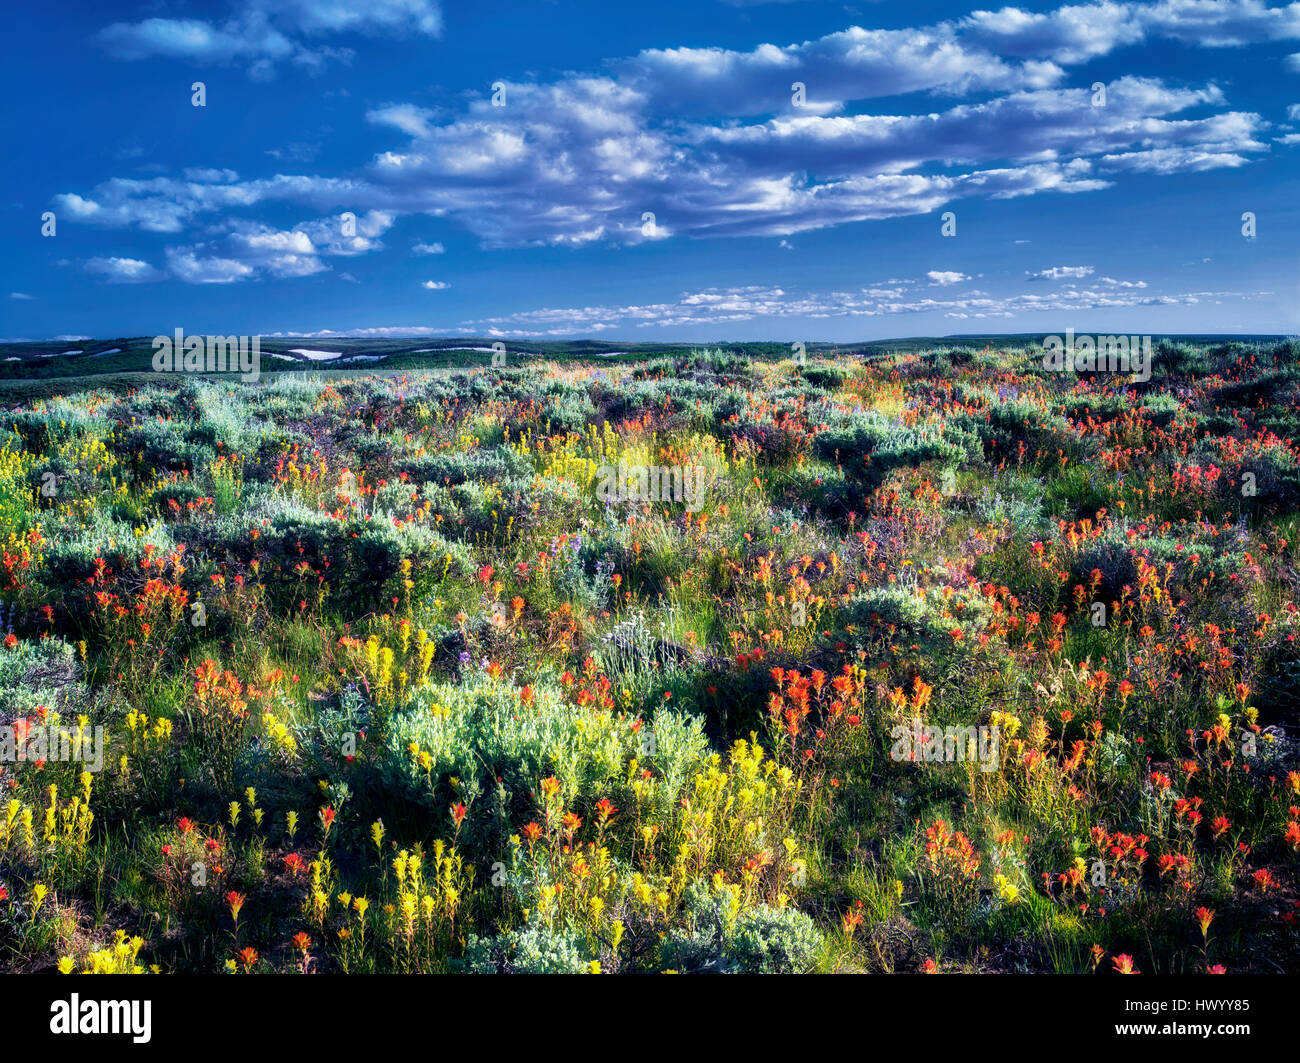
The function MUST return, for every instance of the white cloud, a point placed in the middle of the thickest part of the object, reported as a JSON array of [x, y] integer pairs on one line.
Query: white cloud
[[854, 64], [195, 41], [328, 234], [263, 33], [77, 206], [946, 277], [1077, 33], [389, 17], [188, 265], [1219, 23], [1060, 273], [1039, 125], [410, 119], [434, 248], [381, 332], [435, 286], [722, 306], [20, 295], [281, 253], [124, 270], [582, 158], [168, 205], [1171, 160]]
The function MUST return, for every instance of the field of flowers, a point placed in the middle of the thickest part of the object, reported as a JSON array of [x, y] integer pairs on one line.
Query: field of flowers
[[947, 663]]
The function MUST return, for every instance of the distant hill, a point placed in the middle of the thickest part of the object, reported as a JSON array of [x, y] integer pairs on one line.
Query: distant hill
[[53, 359]]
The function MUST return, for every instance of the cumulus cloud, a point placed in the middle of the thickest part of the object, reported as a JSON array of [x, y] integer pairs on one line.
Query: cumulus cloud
[[435, 286], [722, 306], [377, 332], [378, 17], [263, 33], [280, 253], [195, 267], [1068, 35], [295, 252], [1025, 125], [434, 248], [1056, 273], [357, 235], [708, 141], [169, 205], [410, 119], [195, 41], [1078, 33], [946, 277], [1220, 23], [124, 270], [1166, 161], [854, 64]]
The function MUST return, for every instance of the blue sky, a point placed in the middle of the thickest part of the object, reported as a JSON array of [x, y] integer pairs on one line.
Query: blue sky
[[773, 218]]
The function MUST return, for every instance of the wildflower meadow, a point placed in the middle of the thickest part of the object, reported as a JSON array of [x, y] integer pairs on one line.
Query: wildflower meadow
[[933, 661]]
